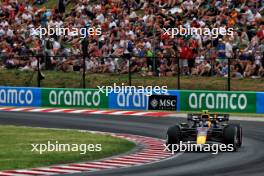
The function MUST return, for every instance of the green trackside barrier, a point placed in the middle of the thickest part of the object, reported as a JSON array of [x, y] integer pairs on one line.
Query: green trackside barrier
[[75, 98], [218, 101]]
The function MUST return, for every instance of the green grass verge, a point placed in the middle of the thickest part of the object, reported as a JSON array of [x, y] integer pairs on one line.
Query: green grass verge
[[15, 146], [74, 79]]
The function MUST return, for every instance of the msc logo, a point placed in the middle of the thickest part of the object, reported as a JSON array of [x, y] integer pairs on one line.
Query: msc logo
[[154, 103], [167, 103], [218, 101], [162, 102]]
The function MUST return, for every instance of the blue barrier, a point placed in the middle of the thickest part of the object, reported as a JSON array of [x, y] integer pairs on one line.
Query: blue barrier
[[260, 102], [177, 94], [136, 100], [20, 96], [129, 101]]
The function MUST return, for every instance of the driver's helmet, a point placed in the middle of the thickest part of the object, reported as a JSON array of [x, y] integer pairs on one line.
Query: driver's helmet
[[205, 114], [206, 118]]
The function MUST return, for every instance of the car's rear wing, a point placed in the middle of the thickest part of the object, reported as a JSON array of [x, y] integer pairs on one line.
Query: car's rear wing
[[213, 117]]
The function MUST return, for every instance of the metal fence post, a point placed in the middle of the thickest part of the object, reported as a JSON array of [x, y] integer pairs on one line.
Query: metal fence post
[[83, 75], [179, 74], [84, 44], [129, 70], [38, 77], [229, 75]]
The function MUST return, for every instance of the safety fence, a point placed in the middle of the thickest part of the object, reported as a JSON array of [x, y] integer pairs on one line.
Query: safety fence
[[172, 100], [38, 70]]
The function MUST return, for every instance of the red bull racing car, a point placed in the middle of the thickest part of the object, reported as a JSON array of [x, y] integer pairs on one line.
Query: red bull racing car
[[202, 128]]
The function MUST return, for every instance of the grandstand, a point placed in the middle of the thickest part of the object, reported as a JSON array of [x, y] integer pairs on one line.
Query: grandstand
[[132, 35]]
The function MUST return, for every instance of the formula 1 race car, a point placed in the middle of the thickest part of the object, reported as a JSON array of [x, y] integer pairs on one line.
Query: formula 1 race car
[[203, 128]]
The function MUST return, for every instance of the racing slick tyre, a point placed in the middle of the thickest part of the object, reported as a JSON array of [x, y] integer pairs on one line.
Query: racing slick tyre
[[239, 134], [173, 136], [231, 136]]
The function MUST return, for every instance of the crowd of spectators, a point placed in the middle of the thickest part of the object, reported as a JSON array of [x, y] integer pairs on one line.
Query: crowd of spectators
[[132, 32]]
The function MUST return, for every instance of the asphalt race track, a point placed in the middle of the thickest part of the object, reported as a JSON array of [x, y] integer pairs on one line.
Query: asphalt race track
[[249, 161]]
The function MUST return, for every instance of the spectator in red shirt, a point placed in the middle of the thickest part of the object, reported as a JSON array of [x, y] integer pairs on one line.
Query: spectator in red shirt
[[260, 32], [187, 55]]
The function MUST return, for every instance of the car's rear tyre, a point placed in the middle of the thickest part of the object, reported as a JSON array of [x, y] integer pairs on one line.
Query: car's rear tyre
[[173, 136], [231, 135]]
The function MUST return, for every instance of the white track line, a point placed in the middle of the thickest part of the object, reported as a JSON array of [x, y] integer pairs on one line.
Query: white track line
[[3, 108], [59, 110], [140, 157], [121, 160], [121, 112], [139, 113], [11, 174], [38, 109], [19, 109], [98, 112], [110, 164], [31, 172], [57, 170], [86, 165], [124, 162], [73, 168], [80, 111]]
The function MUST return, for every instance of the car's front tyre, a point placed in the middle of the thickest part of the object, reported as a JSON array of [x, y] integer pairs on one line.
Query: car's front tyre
[[239, 135], [173, 136]]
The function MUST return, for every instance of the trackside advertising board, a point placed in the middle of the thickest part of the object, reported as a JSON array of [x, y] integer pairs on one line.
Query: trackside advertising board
[[140, 101], [163, 102], [128, 101], [169, 101], [260, 102], [172, 100], [20, 96], [217, 101], [80, 98]]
